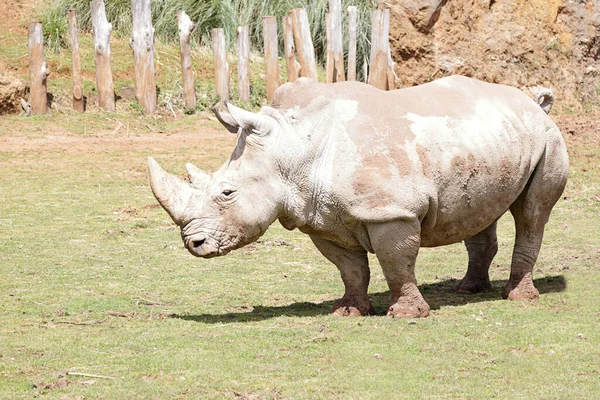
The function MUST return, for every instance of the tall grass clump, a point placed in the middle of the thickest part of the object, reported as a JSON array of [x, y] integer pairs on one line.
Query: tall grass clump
[[54, 25], [226, 14]]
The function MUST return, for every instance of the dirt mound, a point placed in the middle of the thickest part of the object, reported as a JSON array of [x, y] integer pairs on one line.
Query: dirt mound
[[12, 89], [523, 43]]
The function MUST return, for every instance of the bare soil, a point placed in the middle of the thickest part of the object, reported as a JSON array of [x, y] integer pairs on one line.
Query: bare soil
[[522, 43]]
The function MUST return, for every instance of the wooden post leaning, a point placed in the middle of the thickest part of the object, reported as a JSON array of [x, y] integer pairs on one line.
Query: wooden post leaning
[[38, 70], [304, 44], [243, 52], [78, 103], [220, 64], [142, 44], [292, 66], [271, 55], [104, 79], [378, 70], [185, 27], [337, 46], [352, 25]]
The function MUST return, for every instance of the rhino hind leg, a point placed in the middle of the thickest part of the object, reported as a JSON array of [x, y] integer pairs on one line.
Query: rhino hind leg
[[531, 211], [355, 272], [481, 249], [396, 245]]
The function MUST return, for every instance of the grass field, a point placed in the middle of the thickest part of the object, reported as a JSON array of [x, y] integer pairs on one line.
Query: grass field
[[99, 300], [95, 281]]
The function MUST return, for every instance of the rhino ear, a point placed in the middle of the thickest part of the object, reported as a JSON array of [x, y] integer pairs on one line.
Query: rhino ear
[[172, 193], [225, 118], [198, 177], [257, 123]]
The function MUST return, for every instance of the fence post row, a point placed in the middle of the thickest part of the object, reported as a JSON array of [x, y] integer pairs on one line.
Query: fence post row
[[220, 65], [38, 70], [142, 44], [296, 36], [104, 80], [78, 104], [243, 51], [185, 27]]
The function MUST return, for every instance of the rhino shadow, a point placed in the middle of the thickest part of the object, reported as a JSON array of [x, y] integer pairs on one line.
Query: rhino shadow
[[438, 294]]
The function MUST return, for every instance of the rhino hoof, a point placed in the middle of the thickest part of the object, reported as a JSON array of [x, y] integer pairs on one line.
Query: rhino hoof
[[352, 311], [408, 311], [521, 292], [521, 289], [472, 286]]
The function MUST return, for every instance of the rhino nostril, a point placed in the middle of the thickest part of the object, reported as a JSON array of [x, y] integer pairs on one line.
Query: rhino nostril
[[198, 243]]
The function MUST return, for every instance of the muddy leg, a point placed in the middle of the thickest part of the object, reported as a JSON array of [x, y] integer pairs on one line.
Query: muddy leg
[[354, 268], [396, 245], [481, 248], [527, 246], [531, 212]]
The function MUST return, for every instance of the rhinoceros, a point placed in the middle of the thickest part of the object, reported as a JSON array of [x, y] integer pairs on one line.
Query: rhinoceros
[[363, 170]]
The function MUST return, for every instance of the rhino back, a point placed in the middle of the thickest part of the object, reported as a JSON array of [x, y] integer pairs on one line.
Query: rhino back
[[454, 152]]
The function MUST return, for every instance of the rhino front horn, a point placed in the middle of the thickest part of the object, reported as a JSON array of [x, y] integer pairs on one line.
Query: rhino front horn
[[172, 193]]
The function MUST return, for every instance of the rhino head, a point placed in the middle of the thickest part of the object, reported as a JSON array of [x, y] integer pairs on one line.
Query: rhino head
[[234, 206]]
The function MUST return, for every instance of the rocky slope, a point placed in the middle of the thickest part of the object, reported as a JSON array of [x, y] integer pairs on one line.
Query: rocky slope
[[12, 89], [523, 43]]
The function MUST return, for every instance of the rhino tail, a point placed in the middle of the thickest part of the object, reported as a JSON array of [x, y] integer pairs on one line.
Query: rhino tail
[[545, 98]]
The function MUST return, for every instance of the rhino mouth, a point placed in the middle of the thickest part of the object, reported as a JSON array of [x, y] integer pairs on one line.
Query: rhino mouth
[[201, 245]]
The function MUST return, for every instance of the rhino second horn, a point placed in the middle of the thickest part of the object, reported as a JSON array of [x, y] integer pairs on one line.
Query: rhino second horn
[[172, 193], [198, 177], [225, 118], [249, 120]]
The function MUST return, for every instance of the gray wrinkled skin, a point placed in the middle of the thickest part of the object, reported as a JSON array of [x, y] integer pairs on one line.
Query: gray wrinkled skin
[[362, 170]]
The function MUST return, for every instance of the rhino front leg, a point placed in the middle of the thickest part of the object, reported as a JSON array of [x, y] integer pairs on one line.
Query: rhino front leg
[[354, 269], [396, 245], [481, 248]]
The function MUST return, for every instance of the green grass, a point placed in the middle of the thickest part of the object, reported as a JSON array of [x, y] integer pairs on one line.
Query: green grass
[[83, 238]]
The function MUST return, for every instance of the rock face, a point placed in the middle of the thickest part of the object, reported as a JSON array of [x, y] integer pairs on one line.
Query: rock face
[[12, 88], [523, 43]]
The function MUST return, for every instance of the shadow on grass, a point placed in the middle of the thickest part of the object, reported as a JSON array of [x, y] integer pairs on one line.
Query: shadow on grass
[[439, 294]]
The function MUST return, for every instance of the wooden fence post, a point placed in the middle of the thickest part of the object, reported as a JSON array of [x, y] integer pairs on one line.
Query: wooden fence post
[[142, 44], [220, 63], [292, 66], [271, 56], [352, 23], [78, 104], [337, 47], [38, 70], [243, 50], [329, 61], [185, 26], [104, 79], [304, 44], [378, 71]]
